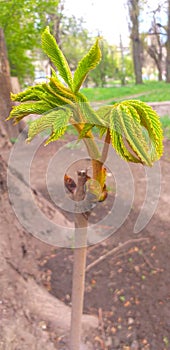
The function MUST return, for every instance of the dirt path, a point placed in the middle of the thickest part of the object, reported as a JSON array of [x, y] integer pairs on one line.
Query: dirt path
[[128, 291], [127, 97]]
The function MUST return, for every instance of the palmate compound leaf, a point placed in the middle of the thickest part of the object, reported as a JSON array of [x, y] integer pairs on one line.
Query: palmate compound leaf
[[56, 120], [88, 62], [135, 130], [52, 50], [45, 97]]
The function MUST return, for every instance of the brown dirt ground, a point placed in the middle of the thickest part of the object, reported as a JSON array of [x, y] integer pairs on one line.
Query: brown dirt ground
[[129, 290]]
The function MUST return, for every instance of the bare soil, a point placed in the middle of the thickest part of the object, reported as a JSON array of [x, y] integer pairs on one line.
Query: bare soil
[[128, 290]]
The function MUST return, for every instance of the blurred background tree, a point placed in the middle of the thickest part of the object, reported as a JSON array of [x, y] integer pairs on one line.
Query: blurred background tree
[[147, 53], [22, 22]]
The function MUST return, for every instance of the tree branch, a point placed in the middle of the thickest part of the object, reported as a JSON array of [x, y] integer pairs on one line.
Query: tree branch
[[115, 250]]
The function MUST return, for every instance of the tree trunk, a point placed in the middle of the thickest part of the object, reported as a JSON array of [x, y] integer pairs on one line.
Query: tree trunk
[[160, 73], [6, 128], [168, 47], [136, 43]]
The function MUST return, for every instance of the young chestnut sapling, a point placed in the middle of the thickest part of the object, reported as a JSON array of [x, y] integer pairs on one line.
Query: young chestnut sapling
[[132, 127]]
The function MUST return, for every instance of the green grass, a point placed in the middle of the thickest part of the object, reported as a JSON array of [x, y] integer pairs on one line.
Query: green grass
[[151, 91], [165, 121]]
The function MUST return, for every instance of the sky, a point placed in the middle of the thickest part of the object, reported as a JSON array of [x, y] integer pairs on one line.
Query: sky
[[108, 17]]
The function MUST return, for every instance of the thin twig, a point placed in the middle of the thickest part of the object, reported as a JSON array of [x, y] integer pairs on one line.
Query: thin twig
[[102, 329], [115, 250], [149, 264]]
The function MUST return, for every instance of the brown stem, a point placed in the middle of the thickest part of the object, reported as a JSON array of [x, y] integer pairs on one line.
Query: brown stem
[[98, 164], [97, 159], [80, 251], [105, 147], [97, 169]]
